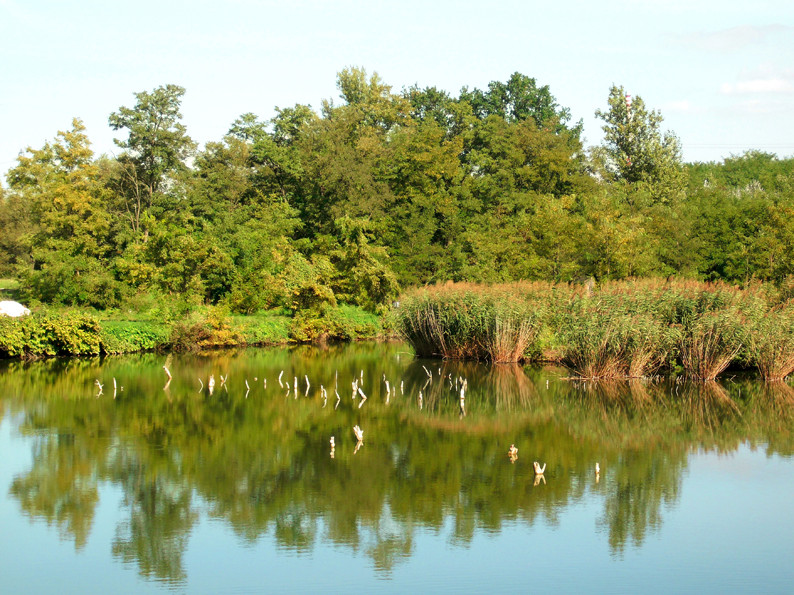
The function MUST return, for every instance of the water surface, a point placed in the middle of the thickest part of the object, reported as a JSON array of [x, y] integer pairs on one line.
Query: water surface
[[171, 488]]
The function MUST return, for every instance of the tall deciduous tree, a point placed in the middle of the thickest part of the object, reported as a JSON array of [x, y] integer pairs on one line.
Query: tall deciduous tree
[[156, 147], [68, 226], [636, 151]]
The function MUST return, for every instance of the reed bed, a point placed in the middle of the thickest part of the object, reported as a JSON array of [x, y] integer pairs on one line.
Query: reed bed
[[636, 328], [467, 323], [771, 343]]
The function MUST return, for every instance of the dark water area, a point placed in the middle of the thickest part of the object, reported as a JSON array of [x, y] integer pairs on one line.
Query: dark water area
[[168, 488]]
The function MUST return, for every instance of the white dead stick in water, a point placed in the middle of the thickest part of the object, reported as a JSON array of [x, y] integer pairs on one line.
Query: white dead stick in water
[[211, 384], [324, 395], [295, 386], [201, 382], [363, 397], [420, 399], [247, 388], [359, 437], [402, 391], [429, 375], [281, 384], [338, 399], [99, 386], [306, 376], [168, 382]]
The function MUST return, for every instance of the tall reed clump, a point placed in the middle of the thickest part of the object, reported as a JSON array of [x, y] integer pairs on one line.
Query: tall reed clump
[[605, 339], [469, 322], [711, 342], [770, 342]]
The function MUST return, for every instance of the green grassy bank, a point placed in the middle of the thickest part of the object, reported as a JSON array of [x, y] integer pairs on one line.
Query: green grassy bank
[[169, 327]]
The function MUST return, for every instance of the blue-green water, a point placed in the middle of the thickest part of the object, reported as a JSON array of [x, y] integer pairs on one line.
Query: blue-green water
[[237, 492]]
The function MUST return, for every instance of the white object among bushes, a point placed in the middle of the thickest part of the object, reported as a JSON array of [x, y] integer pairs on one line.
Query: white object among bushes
[[13, 309]]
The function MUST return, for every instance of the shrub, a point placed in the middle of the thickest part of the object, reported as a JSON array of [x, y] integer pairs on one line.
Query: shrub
[[49, 333], [343, 322], [130, 336]]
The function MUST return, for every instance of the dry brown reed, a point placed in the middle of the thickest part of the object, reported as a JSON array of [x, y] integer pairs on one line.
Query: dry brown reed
[[711, 344]]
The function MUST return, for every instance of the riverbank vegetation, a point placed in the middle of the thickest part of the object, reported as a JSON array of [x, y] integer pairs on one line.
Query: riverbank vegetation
[[312, 222], [618, 329], [67, 331]]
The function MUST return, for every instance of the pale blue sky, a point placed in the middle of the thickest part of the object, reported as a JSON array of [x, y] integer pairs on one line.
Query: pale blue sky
[[720, 71]]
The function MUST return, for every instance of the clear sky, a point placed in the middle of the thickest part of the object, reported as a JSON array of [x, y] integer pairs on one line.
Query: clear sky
[[720, 71]]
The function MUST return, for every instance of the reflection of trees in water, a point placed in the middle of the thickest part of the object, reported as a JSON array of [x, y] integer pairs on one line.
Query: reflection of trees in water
[[262, 463], [160, 516], [61, 487]]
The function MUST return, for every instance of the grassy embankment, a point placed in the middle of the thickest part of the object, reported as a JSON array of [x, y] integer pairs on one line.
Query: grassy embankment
[[626, 329], [152, 324]]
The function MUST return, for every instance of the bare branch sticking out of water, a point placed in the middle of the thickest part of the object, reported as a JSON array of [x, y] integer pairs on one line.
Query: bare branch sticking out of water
[[429, 375]]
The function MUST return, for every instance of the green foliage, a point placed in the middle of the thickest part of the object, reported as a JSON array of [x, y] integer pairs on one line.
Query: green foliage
[[47, 333], [125, 336], [383, 190], [636, 152], [341, 323], [204, 328], [263, 328]]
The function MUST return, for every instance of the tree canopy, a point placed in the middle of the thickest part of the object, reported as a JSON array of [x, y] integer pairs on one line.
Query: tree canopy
[[379, 191]]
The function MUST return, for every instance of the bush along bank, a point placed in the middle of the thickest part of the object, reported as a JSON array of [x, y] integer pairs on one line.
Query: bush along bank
[[620, 329], [55, 332]]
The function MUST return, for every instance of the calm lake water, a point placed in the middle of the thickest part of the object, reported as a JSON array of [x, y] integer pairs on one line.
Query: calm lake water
[[174, 489]]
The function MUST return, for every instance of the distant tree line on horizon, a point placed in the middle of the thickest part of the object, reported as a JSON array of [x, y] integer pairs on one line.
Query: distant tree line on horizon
[[382, 191]]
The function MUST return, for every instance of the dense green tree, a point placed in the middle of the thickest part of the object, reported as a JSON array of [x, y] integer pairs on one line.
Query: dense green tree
[[155, 149], [519, 99], [67, 238], [636, 152]]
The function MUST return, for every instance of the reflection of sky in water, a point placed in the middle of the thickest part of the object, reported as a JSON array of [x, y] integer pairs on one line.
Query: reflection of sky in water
[[726, 524]]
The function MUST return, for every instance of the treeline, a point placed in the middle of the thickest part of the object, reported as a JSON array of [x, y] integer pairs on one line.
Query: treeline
[[384, 190]]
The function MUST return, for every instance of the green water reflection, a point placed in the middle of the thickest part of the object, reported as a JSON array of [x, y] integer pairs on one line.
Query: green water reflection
[[259, 458]]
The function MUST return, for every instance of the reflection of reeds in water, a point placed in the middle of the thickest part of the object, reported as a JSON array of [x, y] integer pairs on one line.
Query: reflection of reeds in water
[[492, 389], [708, 408], [625, 395], [779, 393]]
